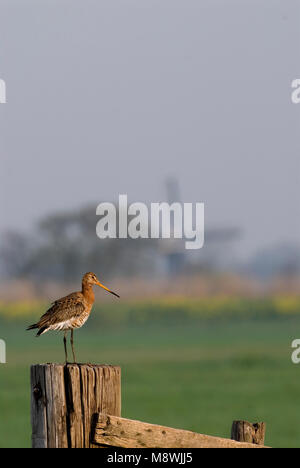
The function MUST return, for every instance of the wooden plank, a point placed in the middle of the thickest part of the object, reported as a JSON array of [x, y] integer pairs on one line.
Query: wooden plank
[[74, 406], [55, 406], [65, 399], [38, 407], [111, 393], [119, 432], [243, 431], [101, 388], [89, 380], [48, 407]]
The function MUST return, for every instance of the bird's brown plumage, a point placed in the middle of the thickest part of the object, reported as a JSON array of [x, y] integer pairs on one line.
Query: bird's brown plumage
[[65, 313], [72, 311]]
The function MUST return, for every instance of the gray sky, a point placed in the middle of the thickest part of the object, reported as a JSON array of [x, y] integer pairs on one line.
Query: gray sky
[[109, 97]]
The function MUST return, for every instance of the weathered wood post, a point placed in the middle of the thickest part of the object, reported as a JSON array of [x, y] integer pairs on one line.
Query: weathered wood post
[[243, 431], [65, 400]]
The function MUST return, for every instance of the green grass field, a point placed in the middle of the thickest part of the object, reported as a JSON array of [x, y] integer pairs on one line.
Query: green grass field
[[198, 375]]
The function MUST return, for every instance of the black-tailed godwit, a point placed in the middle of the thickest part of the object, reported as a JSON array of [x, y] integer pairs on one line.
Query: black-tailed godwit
[[70, 312]]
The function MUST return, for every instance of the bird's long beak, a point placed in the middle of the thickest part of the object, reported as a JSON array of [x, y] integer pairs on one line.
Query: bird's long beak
[[106, 289]]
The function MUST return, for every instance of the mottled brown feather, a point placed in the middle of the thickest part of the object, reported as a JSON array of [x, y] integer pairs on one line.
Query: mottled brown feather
[[66, 308]]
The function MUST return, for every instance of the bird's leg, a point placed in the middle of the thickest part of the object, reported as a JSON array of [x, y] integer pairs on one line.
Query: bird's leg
[[65, 345], [72, 343]]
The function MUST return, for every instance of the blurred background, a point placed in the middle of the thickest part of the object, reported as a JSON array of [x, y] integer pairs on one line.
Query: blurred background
[[162, 101]]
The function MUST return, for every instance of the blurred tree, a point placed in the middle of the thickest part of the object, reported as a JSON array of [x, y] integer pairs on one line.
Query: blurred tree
[[65, 245], [14, 253]]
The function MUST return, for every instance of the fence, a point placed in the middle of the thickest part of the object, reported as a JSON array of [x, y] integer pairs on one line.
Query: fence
[[79, 406]]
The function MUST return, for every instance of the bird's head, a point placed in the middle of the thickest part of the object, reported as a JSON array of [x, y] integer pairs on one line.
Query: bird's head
[[91, 279]]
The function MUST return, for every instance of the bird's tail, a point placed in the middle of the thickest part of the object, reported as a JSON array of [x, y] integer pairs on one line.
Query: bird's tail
[[41, 330]]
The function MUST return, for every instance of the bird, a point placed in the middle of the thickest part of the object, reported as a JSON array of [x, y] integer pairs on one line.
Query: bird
[[70, 312]]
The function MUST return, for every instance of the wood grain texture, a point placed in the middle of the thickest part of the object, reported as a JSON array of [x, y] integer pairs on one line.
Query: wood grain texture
[[119, 432], [243, 431], [65, 400], [38, 408]]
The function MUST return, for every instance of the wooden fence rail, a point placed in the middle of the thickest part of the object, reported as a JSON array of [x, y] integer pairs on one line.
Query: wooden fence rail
[[79, 406], [119, 432]]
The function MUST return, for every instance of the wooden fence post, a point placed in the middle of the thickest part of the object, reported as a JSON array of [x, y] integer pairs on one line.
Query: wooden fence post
[[65, 400], [243, 431]]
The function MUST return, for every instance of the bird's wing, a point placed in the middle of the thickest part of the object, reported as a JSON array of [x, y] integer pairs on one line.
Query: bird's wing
[[63, 309]]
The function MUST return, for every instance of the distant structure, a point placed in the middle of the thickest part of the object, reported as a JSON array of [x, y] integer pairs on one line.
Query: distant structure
[[215, 251], [173, 249]]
